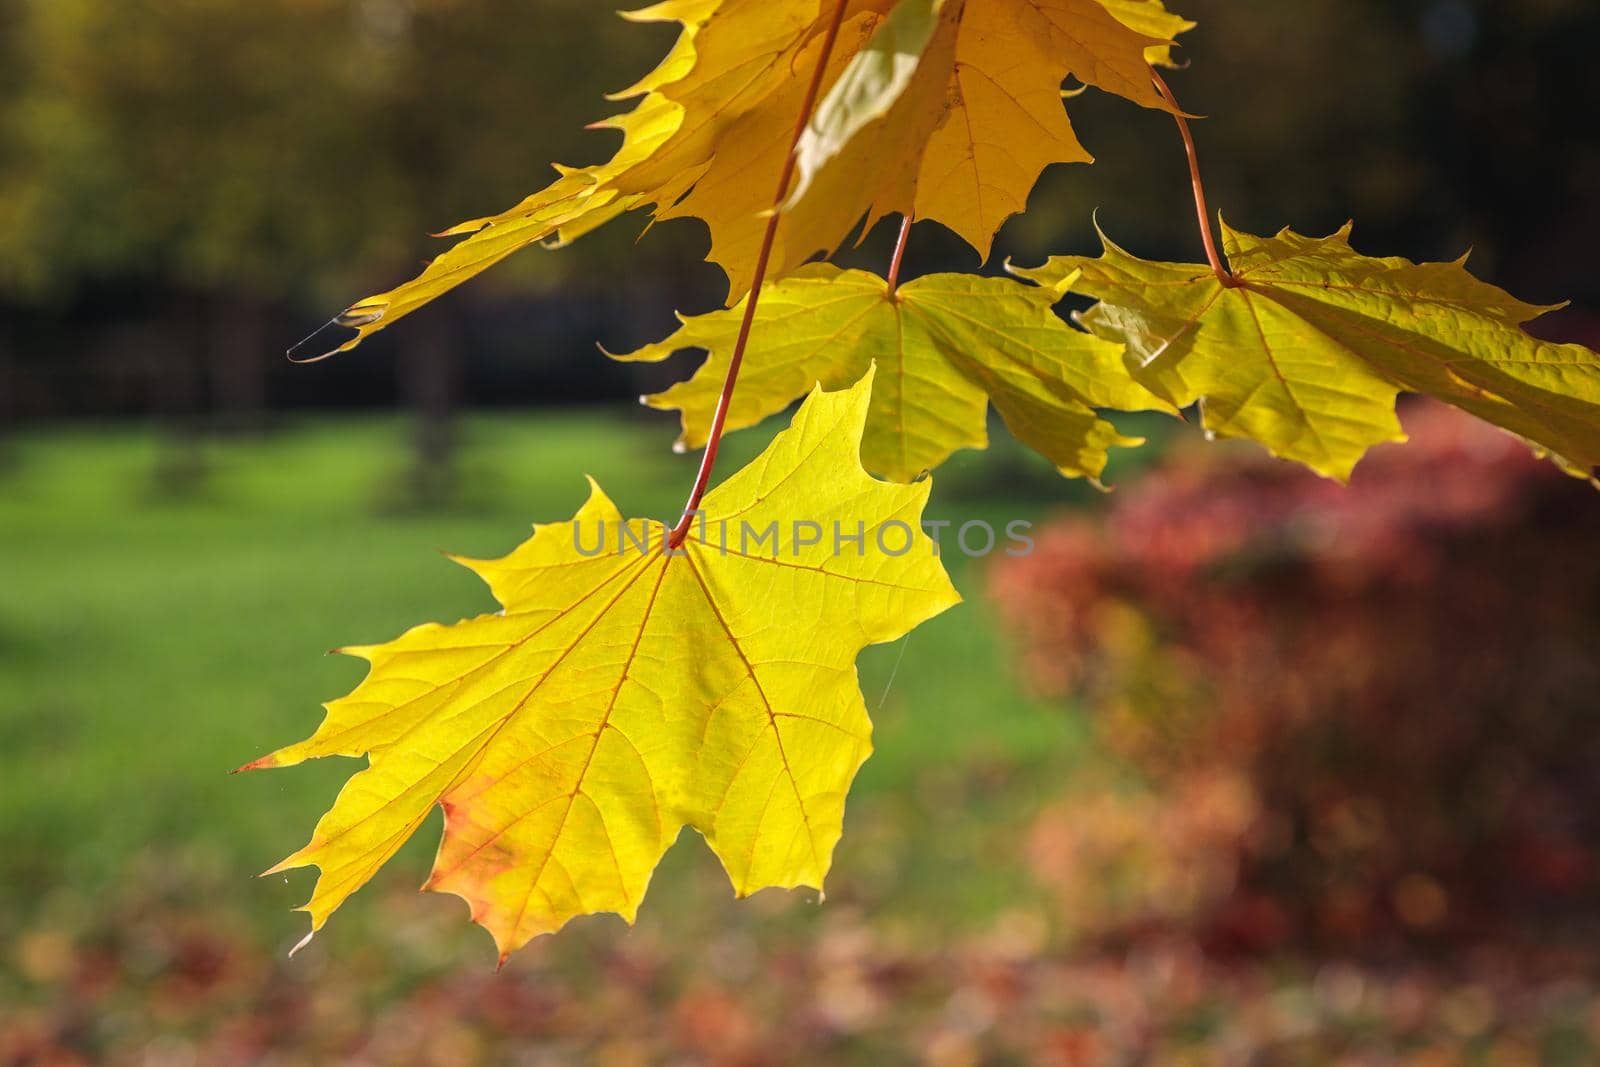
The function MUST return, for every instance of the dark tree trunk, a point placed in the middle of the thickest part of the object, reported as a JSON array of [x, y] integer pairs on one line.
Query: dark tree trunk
[[430, 384], [237, 352], [10, 399], [176, 358]]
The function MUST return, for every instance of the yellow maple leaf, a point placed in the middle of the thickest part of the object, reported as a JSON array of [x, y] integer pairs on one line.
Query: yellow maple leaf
[[945, 345], [946, 110], [1308, 347], [620, 695], [580, 199], [1150, 17], [956, 128], [744, 52]]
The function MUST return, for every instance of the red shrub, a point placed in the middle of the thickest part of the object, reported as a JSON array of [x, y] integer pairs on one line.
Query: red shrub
[[1406, 672]]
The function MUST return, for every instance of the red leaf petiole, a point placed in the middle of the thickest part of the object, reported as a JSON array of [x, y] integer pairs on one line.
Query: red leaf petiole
[[1224, 276], [719, 420]]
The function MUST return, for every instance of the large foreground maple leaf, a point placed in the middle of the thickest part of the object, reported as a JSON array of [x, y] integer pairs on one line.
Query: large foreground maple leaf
[[620, 696]]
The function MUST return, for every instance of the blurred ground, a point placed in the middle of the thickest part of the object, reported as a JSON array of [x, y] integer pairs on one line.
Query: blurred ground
[[150, 641]]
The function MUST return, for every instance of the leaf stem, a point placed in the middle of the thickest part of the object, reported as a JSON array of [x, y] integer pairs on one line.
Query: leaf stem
[[1224, 276], [899, 255], [719, 420]]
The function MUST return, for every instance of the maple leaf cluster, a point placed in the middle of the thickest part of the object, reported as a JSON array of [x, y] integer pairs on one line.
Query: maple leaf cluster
[[939, 109], [614, 700]]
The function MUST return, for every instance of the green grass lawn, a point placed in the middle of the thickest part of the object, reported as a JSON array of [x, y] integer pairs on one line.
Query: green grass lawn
[[151, 642]]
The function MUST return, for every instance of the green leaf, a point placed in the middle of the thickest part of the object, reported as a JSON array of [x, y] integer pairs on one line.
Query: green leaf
[[945, 345], [1308, 350]]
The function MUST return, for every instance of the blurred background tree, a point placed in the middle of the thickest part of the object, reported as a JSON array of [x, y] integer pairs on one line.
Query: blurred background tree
[[183, 181], [186, 186]]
